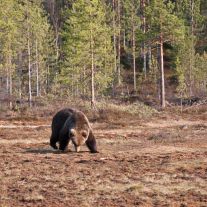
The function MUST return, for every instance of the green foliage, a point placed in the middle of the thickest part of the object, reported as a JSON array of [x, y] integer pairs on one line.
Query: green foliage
[[87, 33], [181, 88], [16, 29], [62, 65], [200, 71], [133, 109], [162, 21], [154, 74], [10, 17], [190, 67], [131, 22]]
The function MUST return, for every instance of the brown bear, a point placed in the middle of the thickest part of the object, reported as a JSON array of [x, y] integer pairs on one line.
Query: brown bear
[[72, 125]]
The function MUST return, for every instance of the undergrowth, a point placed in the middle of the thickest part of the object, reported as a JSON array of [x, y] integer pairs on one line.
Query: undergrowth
[[104, 109], [134, 108]]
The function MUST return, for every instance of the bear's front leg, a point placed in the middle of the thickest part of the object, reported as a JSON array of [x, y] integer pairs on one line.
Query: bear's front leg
[[53, 146], [64, 141], [91, 143], [67, 150]]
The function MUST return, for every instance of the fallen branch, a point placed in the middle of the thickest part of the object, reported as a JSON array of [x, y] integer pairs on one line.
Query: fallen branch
[[201, 103], [33, 127]]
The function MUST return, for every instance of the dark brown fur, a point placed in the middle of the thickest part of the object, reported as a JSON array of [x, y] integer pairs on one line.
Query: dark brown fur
[[71, 124]]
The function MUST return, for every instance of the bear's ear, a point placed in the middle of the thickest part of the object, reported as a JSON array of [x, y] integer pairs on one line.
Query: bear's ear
[[73, 132], [84, 133]]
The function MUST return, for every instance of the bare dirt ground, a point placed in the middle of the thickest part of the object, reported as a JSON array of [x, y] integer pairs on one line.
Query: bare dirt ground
[[158, 161]]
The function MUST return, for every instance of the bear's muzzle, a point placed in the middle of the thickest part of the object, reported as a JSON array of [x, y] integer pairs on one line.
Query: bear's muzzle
[[77, 148]]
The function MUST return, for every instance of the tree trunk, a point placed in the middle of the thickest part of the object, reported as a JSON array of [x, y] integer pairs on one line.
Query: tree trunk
[[37, 71], [84, 85], [192, 15], [7, 76], [48, 69], [119, 45], [133, 40], [190, 87], [144, 62], [72, 79], [10, 77], [144, 53], [105, 63], [181, 103], [92, 70], [19, 84], [29, 69], [124, 39], [48, 81], [92, 79], [57, 55], [149, 56], [112, 91], [149, 49], [191, 53], [113, 5], [162, 74], [77, 78], [20, 76]]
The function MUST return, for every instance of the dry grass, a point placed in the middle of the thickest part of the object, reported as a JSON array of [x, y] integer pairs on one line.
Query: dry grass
[[145, 162]]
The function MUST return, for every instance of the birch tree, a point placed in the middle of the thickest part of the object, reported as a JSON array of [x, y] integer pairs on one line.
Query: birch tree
[[34, 30]]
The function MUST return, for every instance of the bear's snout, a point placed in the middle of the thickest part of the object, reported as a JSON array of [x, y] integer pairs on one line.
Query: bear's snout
[[77, 148]]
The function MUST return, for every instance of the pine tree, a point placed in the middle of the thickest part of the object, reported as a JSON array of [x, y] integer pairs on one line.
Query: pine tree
[[181, 88], [132, 24], [48, 58], [200, 71], [189, 11], [144, 43], [86, 35], [184, 52], [154, 74], [9, 38], [163, 26]]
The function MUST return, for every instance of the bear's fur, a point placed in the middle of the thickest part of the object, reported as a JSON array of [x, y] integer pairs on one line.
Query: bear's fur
[[72, 125]]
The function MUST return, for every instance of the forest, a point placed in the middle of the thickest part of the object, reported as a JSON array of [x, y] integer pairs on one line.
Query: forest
[[94, 50]]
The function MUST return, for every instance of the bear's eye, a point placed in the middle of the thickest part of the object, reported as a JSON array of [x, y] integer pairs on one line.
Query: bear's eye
[[84, 134], [72, 132]]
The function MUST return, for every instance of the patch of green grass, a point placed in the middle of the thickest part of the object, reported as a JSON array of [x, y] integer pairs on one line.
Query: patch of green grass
[[136, 187], [23, 118]]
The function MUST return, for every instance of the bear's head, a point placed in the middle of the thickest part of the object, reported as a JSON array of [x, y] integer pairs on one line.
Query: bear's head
[[78, 138]]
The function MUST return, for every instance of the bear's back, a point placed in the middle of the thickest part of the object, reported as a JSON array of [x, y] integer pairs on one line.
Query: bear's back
[[60, 118]]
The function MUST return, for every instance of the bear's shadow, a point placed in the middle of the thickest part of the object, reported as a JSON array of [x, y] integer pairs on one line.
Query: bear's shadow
[[49, 151]]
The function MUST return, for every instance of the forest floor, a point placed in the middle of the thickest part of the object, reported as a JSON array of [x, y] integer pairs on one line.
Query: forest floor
[[157, 161]]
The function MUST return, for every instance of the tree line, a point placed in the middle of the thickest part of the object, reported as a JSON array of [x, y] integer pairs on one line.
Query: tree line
[[70, 48]]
